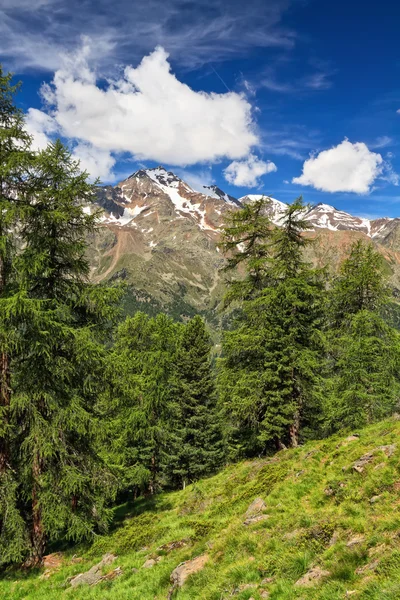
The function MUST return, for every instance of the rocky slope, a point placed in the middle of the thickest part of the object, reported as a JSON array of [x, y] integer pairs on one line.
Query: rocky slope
[[161, 236], [314, 523]]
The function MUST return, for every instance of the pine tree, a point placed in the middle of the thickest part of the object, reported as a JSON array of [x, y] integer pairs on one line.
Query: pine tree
[[268, 377], [15, 159], [364, 351], [196, 444], [56, 375]]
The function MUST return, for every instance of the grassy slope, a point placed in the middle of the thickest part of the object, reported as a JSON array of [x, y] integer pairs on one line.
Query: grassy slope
[[317, 503]]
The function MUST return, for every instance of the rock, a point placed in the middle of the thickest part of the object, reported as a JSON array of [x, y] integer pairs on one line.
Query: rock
[[264, 594], [180, 574], [389, 450], [267, 580], [334, 538], [351, 593], [112, 574], [150, 562], [362, 462], [369, 567], [357, 539], [375, 499], [292, 534], [94, 574], [300, 473], [328, 491], [352, 438], [257, 506], [380, 466], [312, 577], [174, 545], [256, 519], [134, 570]]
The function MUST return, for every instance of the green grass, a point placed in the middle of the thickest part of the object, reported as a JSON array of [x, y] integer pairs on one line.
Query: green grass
[[316, 505]]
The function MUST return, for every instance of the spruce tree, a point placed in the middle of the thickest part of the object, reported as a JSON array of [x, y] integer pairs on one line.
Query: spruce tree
[[196, 444]]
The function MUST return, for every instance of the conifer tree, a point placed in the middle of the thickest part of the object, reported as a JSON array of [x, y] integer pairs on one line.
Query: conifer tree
[[142, 373], [268, 377], [196, 443], [63, 486], [246, 242], [15, 159], [364, 349]]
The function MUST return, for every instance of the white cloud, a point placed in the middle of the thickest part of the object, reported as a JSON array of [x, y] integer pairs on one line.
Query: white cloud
[[247, 172], [344, 168], [148, 113], [40, 125], [98, 163]]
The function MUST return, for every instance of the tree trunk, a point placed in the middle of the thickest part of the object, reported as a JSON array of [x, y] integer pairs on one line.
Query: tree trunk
[[38, 537], [152, 484], [4, 404], [294, 431]]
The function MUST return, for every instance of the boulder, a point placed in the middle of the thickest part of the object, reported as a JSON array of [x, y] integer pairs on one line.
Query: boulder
[[150, 562], [180, 574], [312, 577], [94, 575], [357, 539], [362, 462], [369, 567], [256, 519], [257, 506], [389, 450], [375, 499]]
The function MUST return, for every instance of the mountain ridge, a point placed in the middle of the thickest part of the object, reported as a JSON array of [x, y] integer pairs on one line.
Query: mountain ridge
[[161, 235]]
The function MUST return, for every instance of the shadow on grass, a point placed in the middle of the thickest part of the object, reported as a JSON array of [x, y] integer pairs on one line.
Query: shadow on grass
[[121, 513]]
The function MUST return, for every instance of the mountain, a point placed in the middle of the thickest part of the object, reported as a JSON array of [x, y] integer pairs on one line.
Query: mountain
[[316, 522], [161, 236]]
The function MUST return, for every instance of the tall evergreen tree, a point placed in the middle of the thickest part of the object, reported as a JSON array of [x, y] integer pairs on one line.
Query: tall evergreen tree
[[57, 373], [142, 374], [268, 378], [15, 159], [364, 350], [196, 444], [246, 242]]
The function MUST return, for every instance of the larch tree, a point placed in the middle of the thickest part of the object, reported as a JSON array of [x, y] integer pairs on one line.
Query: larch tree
[[364, 351], [56, 375], [15, 161]]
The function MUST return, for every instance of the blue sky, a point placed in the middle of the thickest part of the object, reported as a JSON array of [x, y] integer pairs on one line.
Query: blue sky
[[283, 97]]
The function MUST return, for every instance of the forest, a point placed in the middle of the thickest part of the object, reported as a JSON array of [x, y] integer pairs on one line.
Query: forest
[[96, 409]]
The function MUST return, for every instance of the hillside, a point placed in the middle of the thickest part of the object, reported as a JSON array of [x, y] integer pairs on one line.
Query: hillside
[[325, 526], [160, 236]]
